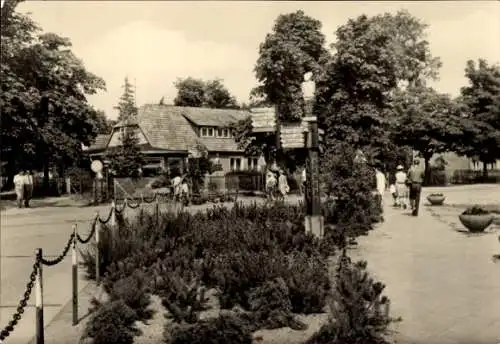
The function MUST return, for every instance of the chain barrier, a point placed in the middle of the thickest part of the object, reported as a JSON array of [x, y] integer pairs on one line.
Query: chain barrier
[[22, 304], [107, 219], [118, 211], [91, 234], [16, 317], [63, 254]]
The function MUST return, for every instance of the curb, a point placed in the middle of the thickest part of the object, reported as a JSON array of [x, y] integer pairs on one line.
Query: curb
[[60, 329]]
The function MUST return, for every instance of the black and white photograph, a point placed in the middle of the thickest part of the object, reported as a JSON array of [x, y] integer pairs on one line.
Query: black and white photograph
[[249, 172]]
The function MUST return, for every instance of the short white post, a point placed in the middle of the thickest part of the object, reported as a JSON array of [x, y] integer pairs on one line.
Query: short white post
[[97, 251], [74, 263], [39, 299], [113, 214]]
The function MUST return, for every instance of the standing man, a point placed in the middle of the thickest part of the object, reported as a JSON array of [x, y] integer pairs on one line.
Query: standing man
[[19, 187], [381, 184], [28, 188], [415, 180]]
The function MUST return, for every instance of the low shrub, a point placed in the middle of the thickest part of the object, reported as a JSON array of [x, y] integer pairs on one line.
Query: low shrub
[[271, 306], [236, 273], [225, 329], [308, 283], [359, 313], [113, 322], [134, 291], [475, 210]]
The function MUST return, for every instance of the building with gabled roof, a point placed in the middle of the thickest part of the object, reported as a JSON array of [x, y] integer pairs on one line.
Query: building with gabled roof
[[169, 134]]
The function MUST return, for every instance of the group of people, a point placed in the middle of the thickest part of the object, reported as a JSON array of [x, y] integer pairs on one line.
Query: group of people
[[23, 185], [276, 184], [406, 187]]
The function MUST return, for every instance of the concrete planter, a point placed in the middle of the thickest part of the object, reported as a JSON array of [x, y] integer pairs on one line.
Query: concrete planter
[[476, 223], [436, 199]]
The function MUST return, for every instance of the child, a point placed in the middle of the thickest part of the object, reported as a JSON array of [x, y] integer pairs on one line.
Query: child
[[392, 190]]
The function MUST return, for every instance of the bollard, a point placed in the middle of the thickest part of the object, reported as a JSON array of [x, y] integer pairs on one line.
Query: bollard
[[113, 214], [97, 251], [39, 299], [74, 262], [157, 211]]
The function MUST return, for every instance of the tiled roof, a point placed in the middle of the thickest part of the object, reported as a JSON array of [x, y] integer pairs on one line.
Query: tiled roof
[[212, 117], [217, 144], [165, 128], [168, 127], [100, 142]]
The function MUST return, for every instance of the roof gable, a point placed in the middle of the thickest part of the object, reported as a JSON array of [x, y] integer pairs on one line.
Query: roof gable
[[212, 117]]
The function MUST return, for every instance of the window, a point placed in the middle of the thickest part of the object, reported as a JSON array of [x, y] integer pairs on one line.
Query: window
[[252, 164], [207, 132], [235, 164], [220, 132], [226, 132]]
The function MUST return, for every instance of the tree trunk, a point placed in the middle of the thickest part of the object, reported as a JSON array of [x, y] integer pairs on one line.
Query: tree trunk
[[485, 171], [427, 169], [46, 180]]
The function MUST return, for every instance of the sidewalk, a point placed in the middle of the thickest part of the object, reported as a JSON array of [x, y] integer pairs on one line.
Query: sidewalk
[[441, 282]]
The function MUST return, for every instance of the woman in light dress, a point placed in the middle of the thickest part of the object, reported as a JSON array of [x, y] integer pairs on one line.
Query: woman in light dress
[[283, 184], [401, 187]]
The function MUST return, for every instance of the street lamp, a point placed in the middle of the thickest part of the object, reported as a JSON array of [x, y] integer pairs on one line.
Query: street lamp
[[313, 220]]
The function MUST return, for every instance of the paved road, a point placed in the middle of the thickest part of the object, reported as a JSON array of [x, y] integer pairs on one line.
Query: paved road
[[442, 282], [22, 231], [47, 225]]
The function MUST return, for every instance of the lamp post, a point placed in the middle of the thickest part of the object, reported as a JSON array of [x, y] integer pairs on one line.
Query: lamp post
[[313, 220]]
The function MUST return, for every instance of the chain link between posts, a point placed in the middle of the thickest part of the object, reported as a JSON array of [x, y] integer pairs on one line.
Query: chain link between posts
[[23, 303], [16, 317]]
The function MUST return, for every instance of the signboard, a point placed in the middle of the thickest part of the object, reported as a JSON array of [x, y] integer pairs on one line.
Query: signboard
[[292, 135], [96, 166], [263, 120]]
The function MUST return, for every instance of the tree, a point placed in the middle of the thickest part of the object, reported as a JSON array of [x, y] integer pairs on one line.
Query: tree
[[374, 56], [481, 100], [200, 93], [190, 92], [45, 113], [295, 47], [104, 125], [127, 105], [218, 96], [427, 121], [127, 159]]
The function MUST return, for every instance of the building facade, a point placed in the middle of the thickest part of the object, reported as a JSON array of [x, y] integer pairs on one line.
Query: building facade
[[168, 135]]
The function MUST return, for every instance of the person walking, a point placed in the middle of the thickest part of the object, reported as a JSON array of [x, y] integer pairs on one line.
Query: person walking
[[401, 188], [303, 182], [270, 184], [381, 184], [415, 181], [19, 188], [28, 188], [283, 184]]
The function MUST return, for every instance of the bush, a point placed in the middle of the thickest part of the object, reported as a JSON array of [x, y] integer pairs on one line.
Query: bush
[[359, 311], [271, 306], [224, 329], [112, 322], [475, 210], [134, 291], [308, 283]]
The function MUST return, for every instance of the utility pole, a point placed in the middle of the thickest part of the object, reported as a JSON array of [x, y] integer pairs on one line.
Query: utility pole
[[314, 221]]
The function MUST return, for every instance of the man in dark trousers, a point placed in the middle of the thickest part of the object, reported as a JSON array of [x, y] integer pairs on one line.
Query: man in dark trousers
[[415, 181]]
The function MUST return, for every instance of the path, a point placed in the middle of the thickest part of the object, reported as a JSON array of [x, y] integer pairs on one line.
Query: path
[[22, 231], [441, 282]]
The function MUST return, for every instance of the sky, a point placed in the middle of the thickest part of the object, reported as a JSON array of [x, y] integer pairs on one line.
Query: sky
[[156, 42]]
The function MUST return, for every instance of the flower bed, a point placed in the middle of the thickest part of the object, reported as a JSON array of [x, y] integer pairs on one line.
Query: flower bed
[[255, 258]]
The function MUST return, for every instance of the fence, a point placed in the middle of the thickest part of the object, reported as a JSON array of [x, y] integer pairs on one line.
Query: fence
[[35, 279]]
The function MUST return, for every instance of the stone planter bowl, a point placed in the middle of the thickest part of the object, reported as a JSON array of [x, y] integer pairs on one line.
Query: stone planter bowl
[[476, 223], [436, 199]]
